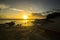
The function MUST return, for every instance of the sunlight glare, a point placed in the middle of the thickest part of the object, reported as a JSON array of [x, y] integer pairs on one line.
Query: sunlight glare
[[25, 17]]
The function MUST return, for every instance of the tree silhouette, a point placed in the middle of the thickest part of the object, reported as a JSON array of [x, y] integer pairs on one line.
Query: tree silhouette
[[53, 15], [56, 10]]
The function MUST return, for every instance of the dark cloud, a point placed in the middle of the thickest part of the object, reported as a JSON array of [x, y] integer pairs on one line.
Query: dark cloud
[[40, 4]]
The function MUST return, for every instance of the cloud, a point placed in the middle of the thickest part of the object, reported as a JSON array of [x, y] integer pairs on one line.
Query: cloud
[[15, 9], [3, 6]]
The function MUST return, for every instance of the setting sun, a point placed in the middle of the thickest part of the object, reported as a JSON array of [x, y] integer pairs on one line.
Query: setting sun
[[25, 17]]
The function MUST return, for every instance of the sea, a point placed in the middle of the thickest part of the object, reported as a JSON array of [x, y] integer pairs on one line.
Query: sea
[[22, 22]]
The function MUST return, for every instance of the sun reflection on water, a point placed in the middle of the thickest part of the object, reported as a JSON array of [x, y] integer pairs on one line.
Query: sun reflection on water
[[27, 23]]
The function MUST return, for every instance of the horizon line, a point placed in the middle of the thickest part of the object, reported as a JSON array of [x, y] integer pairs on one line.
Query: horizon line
[[17, 19]]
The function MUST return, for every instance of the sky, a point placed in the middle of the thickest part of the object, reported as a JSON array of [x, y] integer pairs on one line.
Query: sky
[[16, 7]]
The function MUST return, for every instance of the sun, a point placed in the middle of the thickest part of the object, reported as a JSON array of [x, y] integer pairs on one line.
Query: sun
[[25, 17]]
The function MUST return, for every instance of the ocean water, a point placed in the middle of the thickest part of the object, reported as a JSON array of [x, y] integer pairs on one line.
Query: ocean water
[[22, 22]]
